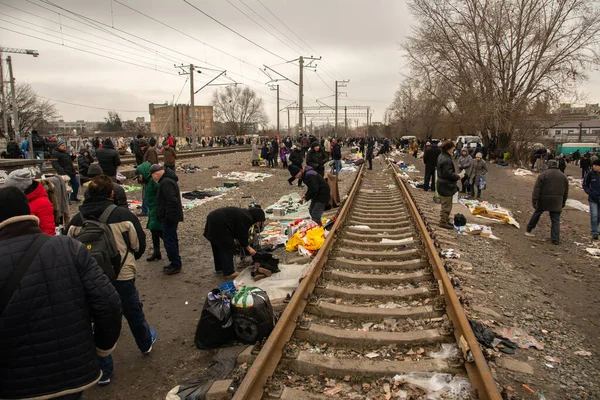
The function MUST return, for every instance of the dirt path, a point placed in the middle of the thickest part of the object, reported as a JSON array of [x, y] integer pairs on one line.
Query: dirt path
[[550, 291], [173, 303]]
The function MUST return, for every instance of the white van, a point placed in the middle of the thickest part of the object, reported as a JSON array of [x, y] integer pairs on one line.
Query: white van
[[472, 141]]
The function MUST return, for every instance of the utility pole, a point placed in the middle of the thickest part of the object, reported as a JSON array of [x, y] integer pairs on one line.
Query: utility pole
[[3, 98], [338, 84], [193, 110], [301, 93], [276, 87], [289, 127], [15, 108], [345, 122]]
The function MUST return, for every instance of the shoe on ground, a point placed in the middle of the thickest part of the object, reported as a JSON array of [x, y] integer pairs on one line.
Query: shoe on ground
[[153, 336], [595, 237], [529, 234], [447, 226], [556, 242], [232, 276], [154, 257], [264, 271], [171, 270], [104, 380]]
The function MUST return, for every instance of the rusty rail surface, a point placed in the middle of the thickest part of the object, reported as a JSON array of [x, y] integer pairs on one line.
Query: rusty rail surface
[[475, 363], [253, 384]]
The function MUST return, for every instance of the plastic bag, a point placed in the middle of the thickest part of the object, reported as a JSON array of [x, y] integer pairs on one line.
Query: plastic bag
[[215, 327], [295, 241], [253, 317], [314, 238], [481, 183]]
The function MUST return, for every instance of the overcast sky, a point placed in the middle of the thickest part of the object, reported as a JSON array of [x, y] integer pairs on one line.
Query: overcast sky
[[357, 39]]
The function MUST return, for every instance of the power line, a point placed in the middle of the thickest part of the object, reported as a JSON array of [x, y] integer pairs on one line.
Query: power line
[[86, 51], [88, 106], [232, 30]]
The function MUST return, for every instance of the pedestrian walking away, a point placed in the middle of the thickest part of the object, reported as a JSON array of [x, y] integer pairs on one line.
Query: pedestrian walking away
[[63, 164], [591, 185], [447, 182], [336, 156], [430, 157], [476, 175], [170, 214], [317, 191], [52, 291], [370, 149], [108, 158], [130, 241], [550, 194], [223, 227], [464, 162]]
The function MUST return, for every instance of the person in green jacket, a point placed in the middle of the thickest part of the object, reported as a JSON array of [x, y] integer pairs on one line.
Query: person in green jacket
[[154, 225]]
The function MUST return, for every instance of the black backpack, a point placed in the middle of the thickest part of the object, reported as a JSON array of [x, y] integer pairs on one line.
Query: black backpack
[[98, 238], [460, 220]]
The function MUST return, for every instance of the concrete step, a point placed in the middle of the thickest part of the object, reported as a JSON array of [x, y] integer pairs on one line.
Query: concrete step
[[381, 294], [408, 265], [336, 275], [332, 310], [377, 255], [326, 334]]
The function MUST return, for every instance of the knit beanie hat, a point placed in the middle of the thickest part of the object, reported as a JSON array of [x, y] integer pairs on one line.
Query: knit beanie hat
[[95, 170], [20, 178], [294, 169], [60, 142], [478, 155], [596, 162], [14, 203], [155, 168]]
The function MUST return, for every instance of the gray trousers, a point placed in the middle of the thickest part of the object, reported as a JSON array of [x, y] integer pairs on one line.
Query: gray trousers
[[446, 209]]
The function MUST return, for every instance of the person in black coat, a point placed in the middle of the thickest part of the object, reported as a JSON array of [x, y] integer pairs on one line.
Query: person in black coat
[[336, 155], [63, 164], [430, 158], [46, 326], [550, 193], [370, 149], [170, 214], [317, 191], [296, 159], [223, 227], [84, 160], [108, 158], [120, 197], [447, 182], [316, 158]]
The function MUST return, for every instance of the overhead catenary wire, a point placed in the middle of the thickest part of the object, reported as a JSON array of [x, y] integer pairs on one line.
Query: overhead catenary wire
[[88, 106]]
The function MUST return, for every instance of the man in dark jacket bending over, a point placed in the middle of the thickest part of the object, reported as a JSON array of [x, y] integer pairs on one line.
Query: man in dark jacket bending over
[[223, 226], [317, 192], [47, 346], [170, 213], [550, 194]]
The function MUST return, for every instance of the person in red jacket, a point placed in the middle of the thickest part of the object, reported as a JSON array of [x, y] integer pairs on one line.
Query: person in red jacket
[[39, 203]]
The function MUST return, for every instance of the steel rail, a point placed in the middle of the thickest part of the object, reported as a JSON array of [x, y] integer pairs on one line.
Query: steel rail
[[475, 363], [252, 386]]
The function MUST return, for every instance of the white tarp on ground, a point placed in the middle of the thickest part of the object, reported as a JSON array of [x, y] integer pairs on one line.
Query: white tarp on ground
[[523, 172], [577, 205], [277, 285], [245, 176]]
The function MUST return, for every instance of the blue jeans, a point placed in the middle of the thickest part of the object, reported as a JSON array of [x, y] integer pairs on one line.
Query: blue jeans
[[133, 311], [554, 219], [171, 243], [594, 217], [144, 202], [39, 154], [338, 166], [75, 187]]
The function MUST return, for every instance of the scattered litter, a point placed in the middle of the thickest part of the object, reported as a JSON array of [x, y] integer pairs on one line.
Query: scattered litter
[[518, 336], [552, 359], [389, 305], [583, 353], [131, 188], [484, 209], [594, 251], [576, 204], [523, 172], [449, 253], [437, 386], [448, 350], [360, 227], [349, 168], [244, 176], [474, 229], [399, 241], [372, 355]]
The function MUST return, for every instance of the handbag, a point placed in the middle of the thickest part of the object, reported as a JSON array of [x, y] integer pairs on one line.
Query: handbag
[[15, 278]]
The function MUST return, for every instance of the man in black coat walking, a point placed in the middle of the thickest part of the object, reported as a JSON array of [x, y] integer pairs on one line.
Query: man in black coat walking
[[108, 158], [550, 193], [430, 158], [170, 214], [48, 347], [223, 227]]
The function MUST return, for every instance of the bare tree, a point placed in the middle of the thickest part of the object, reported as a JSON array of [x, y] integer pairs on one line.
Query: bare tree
[[495, 58], [113, 122], [33, 112], [238, 109]]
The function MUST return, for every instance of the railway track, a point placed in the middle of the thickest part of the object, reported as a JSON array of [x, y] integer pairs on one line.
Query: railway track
[[375, 309], [9, 165]]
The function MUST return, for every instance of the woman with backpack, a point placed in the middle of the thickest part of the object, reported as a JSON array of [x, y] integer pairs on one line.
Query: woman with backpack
[[476, 175], [103, 227]]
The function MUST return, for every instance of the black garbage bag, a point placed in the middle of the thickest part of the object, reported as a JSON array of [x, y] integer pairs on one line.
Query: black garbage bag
[[460, 220], [253, 317], [215, 327]]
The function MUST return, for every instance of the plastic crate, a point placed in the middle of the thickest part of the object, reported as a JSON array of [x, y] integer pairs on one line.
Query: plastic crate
[[228, 287]]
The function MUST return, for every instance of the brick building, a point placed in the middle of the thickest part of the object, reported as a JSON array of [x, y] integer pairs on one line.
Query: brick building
[[174, 119]]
